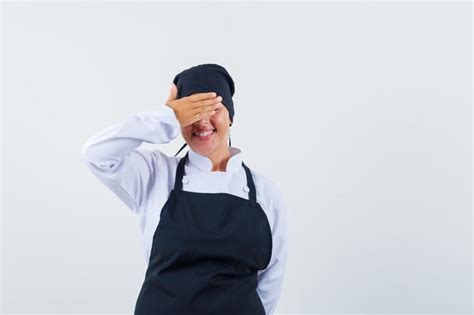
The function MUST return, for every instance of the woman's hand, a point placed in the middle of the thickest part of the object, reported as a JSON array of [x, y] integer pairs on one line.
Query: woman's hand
[[195, 107]]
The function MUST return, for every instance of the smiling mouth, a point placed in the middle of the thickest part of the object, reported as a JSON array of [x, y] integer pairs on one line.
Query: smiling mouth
[[205, 135]]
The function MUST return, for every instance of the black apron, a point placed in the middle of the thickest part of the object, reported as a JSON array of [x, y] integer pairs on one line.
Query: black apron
[[207, 249]]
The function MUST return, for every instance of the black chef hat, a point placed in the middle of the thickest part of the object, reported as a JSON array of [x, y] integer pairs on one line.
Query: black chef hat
[[209, 77], [203, 78]]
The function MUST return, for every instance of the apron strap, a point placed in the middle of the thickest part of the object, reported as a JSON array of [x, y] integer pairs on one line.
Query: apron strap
[[250, 183], [178, 183], [184, 145]]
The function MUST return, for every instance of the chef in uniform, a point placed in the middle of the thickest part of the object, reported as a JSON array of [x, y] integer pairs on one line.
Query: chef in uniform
[[214, 230]]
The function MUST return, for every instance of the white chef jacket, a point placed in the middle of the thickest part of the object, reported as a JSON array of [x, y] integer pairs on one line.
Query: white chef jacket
[[143, 179]]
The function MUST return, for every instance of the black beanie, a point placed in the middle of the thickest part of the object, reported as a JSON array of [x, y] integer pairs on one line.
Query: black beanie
[[204, 78]]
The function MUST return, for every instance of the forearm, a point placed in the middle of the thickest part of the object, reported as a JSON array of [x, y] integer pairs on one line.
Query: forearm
[[110, 146]]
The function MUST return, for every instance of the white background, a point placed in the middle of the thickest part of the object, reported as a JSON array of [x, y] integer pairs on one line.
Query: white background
[[360, 111]]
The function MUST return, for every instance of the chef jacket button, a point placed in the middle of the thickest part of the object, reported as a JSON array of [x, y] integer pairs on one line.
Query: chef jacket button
[[246, 189], [185, 180]]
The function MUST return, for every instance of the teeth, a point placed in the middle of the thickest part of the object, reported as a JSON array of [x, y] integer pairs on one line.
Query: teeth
[[205, 133]]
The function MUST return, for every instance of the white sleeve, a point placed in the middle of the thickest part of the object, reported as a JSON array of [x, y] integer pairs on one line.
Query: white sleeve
[[270, 280], [113, 156]]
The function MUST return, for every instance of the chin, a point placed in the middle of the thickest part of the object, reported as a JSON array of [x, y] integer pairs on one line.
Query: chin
[[202, 148]]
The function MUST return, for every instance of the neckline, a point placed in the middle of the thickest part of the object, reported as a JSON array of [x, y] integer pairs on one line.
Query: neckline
[[203, 163], [180, 172]]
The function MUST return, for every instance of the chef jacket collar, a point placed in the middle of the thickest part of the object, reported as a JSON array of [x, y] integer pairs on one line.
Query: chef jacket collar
[[205, 164]]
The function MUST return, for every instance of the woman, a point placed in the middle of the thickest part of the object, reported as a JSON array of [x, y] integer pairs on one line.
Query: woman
[[214, 231]]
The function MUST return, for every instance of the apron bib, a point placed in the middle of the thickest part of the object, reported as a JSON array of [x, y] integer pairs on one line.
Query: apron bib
[[206, 251]]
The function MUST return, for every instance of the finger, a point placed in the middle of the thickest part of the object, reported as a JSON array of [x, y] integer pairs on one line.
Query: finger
[[210, 113], [173, 93], [205, 115], [206, 108], [213, 107], [201, 96], [201, 115], [199, 111], [217, 106], [207, 102]]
